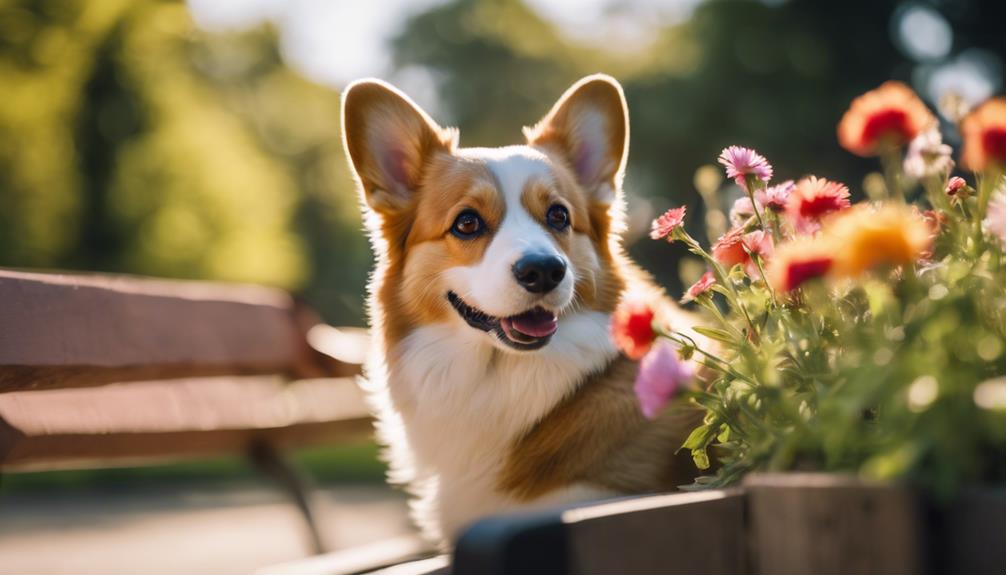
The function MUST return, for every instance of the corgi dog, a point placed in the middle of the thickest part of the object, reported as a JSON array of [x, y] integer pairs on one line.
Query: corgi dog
[[495, 381]]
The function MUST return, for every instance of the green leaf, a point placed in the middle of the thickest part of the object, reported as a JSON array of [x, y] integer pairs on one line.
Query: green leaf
[[714, 333], [701, 458], [724, 435], [702, 435]]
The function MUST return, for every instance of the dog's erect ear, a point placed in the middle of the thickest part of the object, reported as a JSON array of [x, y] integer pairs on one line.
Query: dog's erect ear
[[589, 126], [389, 140]]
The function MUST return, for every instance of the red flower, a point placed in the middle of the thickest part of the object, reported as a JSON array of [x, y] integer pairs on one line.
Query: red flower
[[735, 247], [955, 185], [812, 199], [666, 224], [632, 328], [984, 133], [798, 262], [891, 115], [798, 272], [705, 283]]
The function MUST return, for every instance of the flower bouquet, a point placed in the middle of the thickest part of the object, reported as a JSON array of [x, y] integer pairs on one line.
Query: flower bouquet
[[866, 338]]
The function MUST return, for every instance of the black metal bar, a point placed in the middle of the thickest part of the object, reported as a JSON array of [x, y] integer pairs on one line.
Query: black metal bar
[[295, 484]]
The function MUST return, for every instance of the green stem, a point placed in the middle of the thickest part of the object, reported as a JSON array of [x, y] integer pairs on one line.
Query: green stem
[[761, 270], [750, 182], [986, 184], [721, 277], [890, 158], [722, 365], [776, 225]]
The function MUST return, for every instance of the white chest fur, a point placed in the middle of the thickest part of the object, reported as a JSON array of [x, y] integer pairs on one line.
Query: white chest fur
[[460, 401]]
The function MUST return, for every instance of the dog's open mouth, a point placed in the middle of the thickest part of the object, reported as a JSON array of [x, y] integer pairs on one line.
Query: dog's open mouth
[[529, 330]]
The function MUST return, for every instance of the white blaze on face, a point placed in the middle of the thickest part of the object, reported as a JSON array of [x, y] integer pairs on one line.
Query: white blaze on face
[[490, 285]]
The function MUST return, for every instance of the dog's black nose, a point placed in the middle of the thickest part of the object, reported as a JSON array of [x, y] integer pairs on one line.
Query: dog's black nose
[[539, 273]]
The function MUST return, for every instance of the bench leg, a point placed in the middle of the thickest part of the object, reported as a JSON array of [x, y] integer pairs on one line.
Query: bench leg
[[271, 463]]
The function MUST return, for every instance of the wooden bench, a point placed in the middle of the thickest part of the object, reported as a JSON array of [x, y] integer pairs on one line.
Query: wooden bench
[[102, 370]]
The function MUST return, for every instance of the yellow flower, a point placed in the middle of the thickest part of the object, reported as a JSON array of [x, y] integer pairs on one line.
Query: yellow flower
[[868, 238]]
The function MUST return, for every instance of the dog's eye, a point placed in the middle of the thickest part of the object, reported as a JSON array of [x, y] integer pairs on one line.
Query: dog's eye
[[468, 225], [557, 217]]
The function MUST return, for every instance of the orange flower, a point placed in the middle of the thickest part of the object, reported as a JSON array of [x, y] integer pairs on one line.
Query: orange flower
[[632, 328], [984, 133], [890, 115], [729, 249], [799, 261], [868, 237]]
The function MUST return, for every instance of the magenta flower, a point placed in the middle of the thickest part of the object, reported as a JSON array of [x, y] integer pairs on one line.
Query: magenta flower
[[661, 376], [665, 225], [776, 197], [705, 283], [742, 162]]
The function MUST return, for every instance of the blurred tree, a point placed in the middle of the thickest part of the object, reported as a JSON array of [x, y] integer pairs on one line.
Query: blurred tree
[[771, 75], [131, 142]]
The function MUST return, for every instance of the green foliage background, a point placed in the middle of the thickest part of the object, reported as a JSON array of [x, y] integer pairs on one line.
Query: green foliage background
[[131, 141]]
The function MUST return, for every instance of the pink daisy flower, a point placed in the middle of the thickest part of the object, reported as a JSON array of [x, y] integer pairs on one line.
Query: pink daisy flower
[[665, 225], [759, 243], [662, 375], [812, 199], [705, 283], [776, 197], [741, 162]]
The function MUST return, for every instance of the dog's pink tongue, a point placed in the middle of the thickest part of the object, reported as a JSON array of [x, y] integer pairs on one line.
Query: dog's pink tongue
[[537, 323]]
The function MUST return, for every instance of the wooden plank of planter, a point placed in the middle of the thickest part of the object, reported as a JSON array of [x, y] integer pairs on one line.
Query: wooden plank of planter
[[829, 524], [125, 424], [60, 330], [699, 532]]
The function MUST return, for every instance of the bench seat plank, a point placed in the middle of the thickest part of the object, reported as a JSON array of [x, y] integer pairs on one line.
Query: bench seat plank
[[122, 424], [61, 330]]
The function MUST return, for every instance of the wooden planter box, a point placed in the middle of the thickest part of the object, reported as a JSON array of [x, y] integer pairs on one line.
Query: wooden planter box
[[777, 524]]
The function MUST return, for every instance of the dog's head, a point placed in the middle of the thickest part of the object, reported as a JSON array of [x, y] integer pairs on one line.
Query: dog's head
[[506, 240]]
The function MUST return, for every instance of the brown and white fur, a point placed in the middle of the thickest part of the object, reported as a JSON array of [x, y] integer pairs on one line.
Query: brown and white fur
[[474, 426]]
